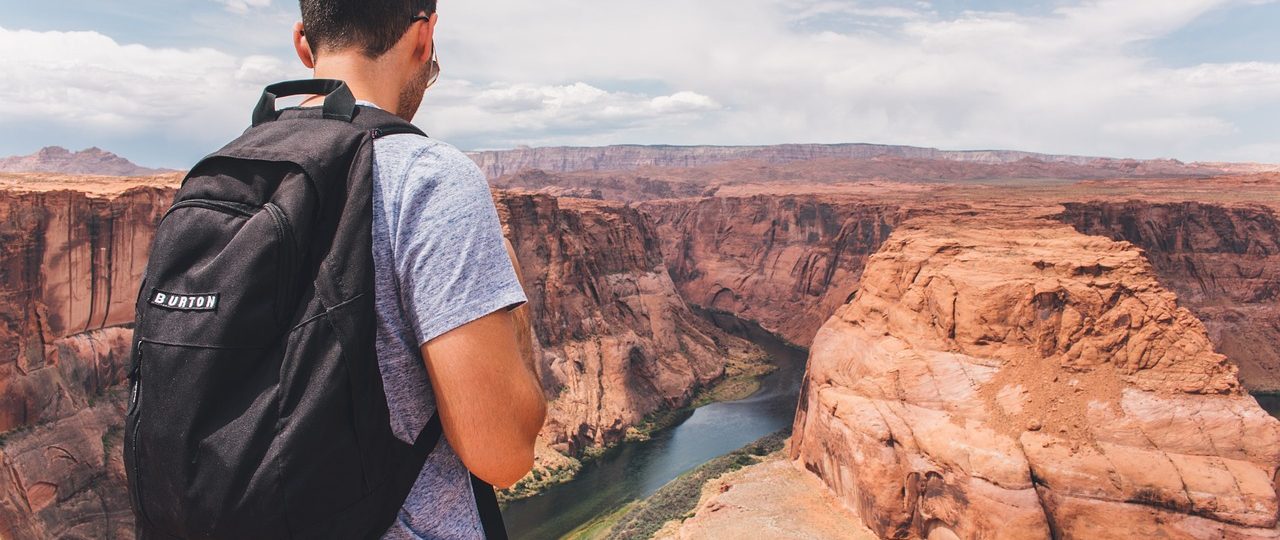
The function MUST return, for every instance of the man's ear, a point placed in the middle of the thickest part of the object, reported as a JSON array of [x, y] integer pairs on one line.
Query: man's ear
[[301, 46], [425, 40]]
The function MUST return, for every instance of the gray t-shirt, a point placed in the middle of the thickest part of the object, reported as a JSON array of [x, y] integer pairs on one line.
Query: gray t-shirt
[[439, 262]]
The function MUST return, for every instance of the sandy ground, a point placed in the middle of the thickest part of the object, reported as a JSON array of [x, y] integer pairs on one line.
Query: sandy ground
[[768, 500]]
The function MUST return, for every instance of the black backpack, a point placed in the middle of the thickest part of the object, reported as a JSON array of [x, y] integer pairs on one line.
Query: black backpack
[[256, 406]]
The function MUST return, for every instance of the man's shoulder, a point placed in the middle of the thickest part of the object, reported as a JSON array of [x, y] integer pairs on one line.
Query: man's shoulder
[[424, 156]]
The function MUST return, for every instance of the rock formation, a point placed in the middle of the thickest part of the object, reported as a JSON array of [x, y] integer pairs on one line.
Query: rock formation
[[1008, 377], [55, 159], [784, 262], [71, 266], [615, 339], [65, 479], [1222, 261]]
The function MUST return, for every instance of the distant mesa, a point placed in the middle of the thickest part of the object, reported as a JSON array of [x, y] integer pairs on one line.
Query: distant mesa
[[59, 160], [625, 157]]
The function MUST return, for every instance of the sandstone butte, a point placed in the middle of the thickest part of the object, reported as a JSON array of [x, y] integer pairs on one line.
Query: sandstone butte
[[1005, 376]]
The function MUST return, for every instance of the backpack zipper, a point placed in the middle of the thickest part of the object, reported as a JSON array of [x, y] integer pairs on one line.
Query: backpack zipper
[[227, 207], [137, 427], [284, 277]]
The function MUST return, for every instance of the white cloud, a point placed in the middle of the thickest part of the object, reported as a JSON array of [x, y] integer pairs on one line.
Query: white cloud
[[578, 113], [243, 6], [88, 81], [1074, 79]]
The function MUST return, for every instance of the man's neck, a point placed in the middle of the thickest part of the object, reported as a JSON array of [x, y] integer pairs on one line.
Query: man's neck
[[367, 79]]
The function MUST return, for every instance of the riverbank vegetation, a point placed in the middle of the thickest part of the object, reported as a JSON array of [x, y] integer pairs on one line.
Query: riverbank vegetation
[[740, 380], [676, 500]]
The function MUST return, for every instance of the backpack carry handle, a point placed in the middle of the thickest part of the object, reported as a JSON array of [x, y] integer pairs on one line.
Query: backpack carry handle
[[339, 102]]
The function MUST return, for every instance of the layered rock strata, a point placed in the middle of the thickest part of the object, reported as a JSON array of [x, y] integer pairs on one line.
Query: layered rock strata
[[1006, 377], [615, 340], [785, 262], [70, 268], [65, 478], [1223, 261]]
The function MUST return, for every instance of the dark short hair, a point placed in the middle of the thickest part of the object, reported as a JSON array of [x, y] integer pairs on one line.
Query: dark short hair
[[374, 26]]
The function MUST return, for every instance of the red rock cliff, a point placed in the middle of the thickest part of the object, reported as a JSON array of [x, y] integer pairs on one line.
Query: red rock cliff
[[1008, 377], [615, 339], [1224, 263], [784, 262]]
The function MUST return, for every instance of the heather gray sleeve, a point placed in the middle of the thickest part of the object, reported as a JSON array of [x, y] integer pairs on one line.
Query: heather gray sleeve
[[451, 264]]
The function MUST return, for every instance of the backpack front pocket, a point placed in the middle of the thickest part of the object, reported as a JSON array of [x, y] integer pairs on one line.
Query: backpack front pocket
[[229, 276]]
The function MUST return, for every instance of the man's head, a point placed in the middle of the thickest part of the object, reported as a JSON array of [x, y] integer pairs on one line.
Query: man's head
[[388, 40]]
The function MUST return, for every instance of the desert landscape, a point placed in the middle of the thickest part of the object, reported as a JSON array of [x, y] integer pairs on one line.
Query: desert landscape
[[1000, 344]]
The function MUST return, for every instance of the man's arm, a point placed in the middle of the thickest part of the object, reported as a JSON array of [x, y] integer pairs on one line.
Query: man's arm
[[520, 316], [487, 390]]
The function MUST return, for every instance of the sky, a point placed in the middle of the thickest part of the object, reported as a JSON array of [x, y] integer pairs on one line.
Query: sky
[[164, 82]]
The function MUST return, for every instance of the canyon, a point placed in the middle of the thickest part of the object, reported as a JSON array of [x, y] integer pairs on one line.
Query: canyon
[[996, 338], [615, 341]]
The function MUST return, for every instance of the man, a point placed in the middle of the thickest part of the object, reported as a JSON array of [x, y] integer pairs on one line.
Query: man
[[451, 323]]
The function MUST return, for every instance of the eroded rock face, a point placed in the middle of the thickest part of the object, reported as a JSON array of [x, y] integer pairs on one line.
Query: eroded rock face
[[1222, 261], [65, 479], [784, 262], [615, 339], [71, 265], [1007, 377]]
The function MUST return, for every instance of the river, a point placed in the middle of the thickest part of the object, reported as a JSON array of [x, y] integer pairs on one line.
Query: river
[[635, 470], [1270, 402]]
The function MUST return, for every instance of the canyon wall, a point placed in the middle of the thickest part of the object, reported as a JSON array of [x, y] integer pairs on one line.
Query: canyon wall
[[1008, 377], [785, 262], [70, 267], [1222, 261], [615, 340]]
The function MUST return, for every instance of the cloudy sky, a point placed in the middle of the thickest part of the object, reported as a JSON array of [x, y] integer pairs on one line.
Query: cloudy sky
[[165, 81]]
